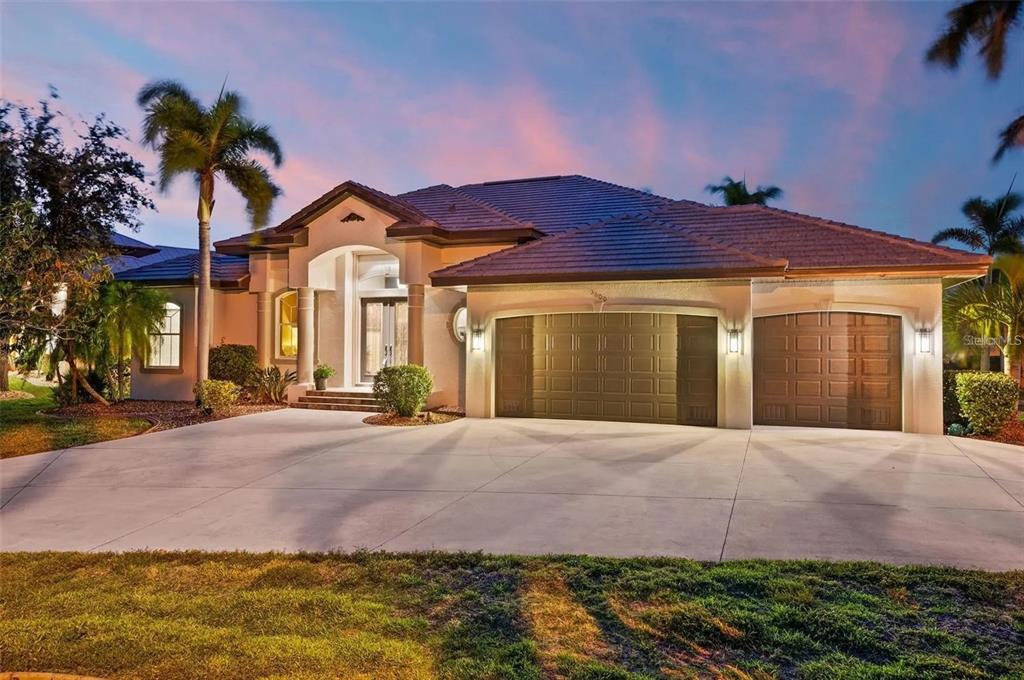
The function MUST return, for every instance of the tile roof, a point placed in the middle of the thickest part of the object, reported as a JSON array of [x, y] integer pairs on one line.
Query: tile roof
[[131, 246], [809, 242], [628, 247], [225, 270], [456, 210], [556, 204], [125, 262]]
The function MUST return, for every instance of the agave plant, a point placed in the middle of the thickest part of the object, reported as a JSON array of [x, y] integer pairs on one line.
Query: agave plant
[[271, 385]]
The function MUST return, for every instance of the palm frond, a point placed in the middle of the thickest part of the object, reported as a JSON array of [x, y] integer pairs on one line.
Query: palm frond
[[1010, 138], [167, 113], [183, 151], [969, 237], [253, 182]]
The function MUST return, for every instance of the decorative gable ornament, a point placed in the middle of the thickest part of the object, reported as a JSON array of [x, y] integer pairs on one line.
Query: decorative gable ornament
[[353, 217]]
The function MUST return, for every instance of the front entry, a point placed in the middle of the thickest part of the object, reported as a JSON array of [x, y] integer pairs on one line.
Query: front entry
[[385, 334], [636, 367]]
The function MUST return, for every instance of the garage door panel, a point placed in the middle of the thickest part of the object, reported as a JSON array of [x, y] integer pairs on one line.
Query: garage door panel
[[847, 376], [612, 366]]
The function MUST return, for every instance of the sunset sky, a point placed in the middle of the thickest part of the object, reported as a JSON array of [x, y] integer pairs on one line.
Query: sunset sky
[[832, 102]]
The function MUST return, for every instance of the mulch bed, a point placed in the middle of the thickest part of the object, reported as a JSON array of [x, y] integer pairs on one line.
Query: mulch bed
[[426, 418], [167, 414], [11, 395], [1012, 433]]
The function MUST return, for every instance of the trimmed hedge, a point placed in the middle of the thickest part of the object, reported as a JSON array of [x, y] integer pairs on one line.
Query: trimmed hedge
[[987, 400], [236, 363], [951, 414], [403, 389], [215, 397]]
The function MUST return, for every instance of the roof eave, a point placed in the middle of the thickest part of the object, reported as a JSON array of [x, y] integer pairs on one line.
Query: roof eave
[[967, 269], [404, 231], [583, 277]]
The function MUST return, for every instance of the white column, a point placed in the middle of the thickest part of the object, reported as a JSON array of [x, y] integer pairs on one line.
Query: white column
[[306, 336], [264, 329]]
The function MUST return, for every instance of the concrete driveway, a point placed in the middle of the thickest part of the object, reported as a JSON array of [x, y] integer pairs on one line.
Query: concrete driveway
[[312, 480]]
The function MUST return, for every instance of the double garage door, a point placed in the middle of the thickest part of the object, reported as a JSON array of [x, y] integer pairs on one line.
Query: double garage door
[[637, 367], [827, 369]]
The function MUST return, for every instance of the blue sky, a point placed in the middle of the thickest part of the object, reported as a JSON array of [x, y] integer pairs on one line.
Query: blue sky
[[830, 101]]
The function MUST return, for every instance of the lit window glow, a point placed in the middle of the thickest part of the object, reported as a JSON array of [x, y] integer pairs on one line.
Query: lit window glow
[[288, 324], [165, 343]]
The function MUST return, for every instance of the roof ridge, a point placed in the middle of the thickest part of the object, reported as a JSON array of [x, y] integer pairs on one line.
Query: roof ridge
[[846, 227], [487, 205], [623, 187], [687, 232]]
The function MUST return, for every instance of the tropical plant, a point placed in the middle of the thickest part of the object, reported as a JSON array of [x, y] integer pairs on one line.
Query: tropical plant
[[987, 22], [237, 363], [271, 386], [736, 192], [402, 389], [323, 372], [991, 226], [209, 142], [131, 314]]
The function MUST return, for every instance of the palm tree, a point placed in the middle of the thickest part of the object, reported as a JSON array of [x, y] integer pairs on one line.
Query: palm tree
[[987, 22], [991, 229], [209, 143], [736, 193], [131, 314]]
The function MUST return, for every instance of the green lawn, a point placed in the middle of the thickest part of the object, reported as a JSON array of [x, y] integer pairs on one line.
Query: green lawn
[[237, 615], [23, 430]]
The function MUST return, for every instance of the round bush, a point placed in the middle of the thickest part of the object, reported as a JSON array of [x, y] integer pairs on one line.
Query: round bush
[[215, 397], [236, 363], [402, 389], [987, 400]]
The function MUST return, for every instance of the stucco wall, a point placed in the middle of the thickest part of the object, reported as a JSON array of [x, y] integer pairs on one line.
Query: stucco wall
[[172, 384], [234, 318], [728, 301], [918, 302], [442, 354]]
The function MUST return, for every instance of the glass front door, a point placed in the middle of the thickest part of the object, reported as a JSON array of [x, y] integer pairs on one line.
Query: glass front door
[[385, 335]]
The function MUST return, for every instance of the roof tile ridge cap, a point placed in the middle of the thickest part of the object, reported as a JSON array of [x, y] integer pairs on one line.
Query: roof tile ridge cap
[[624, 187], [426, 188], [391, 197], [493, 208], [517, 248], [688, 232], [876, 233]]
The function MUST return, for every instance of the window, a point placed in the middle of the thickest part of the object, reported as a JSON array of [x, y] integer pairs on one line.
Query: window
[[459, 318], [288, 324], [165, 343]]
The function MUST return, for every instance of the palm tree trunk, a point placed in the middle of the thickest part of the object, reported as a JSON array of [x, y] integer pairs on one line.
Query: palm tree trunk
[[120, 364], [4, 383], [79, 380], [205, 297]]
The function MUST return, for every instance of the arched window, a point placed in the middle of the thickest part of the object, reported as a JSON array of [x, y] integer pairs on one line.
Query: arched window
[[288, 324], [165, 342]]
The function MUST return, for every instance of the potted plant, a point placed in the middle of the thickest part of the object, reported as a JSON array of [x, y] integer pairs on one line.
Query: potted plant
[[320, 375]]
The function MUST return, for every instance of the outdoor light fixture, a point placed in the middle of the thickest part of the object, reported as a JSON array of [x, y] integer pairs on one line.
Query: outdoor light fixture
[[477, 343], [924, 341], [735, 343]]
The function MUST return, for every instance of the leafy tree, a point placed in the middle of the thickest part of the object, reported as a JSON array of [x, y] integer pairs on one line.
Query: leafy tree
[[736, 193], [209, 142], [59, 207], [988, 23], [130, 313], [991, 226]]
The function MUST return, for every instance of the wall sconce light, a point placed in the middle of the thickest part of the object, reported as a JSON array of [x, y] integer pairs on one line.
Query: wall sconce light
[[477, 340], [925, 342], [735, 341]]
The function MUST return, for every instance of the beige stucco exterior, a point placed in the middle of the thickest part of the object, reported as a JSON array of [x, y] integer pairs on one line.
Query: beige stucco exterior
[[330, 274]]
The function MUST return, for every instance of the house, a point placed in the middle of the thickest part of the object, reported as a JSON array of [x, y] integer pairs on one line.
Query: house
[[571, 297]]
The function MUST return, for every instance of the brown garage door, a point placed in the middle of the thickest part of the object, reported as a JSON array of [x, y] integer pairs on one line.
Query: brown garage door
[[659, 368], [827, 369]]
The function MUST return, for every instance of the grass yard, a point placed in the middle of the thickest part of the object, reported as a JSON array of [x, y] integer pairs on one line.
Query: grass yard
[[237, 615], [24, 431]]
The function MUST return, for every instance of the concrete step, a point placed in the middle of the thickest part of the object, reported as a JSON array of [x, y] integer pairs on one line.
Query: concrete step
[[356, 401], [336, 407], [351, 394]]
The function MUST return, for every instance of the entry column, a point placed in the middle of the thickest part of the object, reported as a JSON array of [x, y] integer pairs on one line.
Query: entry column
[[306, 337], [264, 329], [416, 323]]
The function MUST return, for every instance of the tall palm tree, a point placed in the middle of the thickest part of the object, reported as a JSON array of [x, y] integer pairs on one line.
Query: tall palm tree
[[992, 228], [131, 313], [736, 192], [987, 22], [209, 143]]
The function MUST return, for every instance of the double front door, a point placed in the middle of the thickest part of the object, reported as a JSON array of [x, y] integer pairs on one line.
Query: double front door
[[385, 324]]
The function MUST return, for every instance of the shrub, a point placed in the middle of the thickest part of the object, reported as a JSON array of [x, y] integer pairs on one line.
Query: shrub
[[957, 430], [950, 404], [323, 372], [236, 363], [271, 385], [215, 397], [987, 400], [402, 389]]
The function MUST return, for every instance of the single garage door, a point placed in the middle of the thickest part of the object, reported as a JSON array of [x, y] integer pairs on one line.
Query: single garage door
[[828, 369], [637, 367]]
